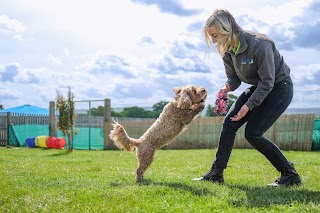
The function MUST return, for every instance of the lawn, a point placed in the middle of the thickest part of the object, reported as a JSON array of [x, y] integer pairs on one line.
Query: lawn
[[48, 180]]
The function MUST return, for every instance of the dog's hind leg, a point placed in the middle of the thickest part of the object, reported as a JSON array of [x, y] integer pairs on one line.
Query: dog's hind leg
[[145, 158]]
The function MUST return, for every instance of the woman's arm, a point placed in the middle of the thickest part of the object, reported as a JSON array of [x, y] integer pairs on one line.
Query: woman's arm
[[233, 80], [264, 58]]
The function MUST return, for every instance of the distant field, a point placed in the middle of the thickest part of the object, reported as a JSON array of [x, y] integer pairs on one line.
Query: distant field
[[48, 180]]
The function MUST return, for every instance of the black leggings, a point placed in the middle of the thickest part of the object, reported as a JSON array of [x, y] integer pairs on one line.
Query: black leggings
[[258, 120]]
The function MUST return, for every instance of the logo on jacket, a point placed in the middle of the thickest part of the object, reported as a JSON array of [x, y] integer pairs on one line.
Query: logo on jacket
[[247, 61]]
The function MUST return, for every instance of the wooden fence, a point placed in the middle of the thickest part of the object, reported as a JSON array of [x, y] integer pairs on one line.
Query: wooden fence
[[3, 129], [18, 119], [289, 132], [3, 136], [22, 118]]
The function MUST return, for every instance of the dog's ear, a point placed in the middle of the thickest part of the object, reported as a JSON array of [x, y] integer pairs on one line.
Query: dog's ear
[[177, 90], [184, 101], [194, 88]]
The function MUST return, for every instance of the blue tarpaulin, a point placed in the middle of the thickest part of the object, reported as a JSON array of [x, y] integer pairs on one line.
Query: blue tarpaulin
[[27, 109]]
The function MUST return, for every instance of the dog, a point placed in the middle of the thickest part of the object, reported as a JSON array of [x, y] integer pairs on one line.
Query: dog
[[185, 107]]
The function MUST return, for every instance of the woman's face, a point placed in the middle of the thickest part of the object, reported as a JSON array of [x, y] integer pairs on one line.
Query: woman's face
[[215, 35]]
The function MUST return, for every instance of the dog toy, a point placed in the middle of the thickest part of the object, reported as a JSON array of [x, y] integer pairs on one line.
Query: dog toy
[[221, 103]]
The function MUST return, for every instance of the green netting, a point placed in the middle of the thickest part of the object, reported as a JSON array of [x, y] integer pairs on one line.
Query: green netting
[[316, 135], [13, 140], [87, 138], [19, 133], [316, 124]]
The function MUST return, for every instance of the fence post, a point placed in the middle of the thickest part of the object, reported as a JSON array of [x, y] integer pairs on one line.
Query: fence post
[[8, 127], [52, 119], [107, 123]]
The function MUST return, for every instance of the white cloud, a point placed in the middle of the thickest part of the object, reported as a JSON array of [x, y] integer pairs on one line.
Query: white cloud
[[131, 52], [54, 60], [307, 77], [66, 52], [12, 27]]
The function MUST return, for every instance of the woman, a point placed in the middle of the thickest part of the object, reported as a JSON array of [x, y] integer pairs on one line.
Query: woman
[[251, 58]]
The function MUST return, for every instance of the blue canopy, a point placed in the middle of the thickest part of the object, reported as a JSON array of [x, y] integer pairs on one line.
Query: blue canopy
[[27, 109]]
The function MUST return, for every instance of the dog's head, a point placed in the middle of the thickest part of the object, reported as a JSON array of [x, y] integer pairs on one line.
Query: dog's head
[[190, 95]]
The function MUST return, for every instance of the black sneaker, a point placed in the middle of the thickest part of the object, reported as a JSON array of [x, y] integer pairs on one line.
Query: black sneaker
[[289, 177], [212, 176], [287, 180]]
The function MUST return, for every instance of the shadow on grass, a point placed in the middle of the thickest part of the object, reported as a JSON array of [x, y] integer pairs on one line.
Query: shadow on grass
[[267, 196], [194, 189], [60, 153], [182, 187], [243, 195], [255, 196]]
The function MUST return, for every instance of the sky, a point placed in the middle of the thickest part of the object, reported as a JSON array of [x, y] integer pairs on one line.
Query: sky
[[135, 52]]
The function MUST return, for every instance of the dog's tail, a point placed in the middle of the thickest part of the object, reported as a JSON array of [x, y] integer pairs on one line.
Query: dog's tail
[[121, 139]]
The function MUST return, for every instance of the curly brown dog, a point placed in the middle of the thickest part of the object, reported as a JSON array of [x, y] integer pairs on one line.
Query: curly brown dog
[[174, 119]]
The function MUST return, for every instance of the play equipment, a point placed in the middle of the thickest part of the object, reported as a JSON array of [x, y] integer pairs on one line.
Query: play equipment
[[41, 141], [46, 142], [30, 142], [56, 143]]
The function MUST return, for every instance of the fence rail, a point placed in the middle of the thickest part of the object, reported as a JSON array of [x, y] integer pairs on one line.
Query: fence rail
[[21, 118], [289, 132]]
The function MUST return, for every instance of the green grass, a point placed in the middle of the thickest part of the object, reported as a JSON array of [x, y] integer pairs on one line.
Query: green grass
[[47, 180]]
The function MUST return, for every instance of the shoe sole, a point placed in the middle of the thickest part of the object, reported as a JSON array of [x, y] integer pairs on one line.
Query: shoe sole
[[211, 180], [284, 185]]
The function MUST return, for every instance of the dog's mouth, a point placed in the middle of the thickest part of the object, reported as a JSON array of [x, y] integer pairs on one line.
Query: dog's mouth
[[201, 101]]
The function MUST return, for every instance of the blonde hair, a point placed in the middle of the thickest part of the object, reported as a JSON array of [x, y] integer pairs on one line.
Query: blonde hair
[[226, 25]]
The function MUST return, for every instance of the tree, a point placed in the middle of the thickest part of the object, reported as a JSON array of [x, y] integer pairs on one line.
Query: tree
[[152, 114], [133, 112], [67, 116], [158, 107], [116, 114], [210, 111], [1, 106], [97, 111]]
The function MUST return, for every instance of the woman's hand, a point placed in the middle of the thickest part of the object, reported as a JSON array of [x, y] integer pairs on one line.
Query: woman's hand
[[243, 111], [225, 89]]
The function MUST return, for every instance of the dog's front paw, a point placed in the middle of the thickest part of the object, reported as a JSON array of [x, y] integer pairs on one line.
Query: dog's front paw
[[199, 106]]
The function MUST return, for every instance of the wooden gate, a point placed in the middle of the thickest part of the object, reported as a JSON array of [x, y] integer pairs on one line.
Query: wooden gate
[[3, 129]]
